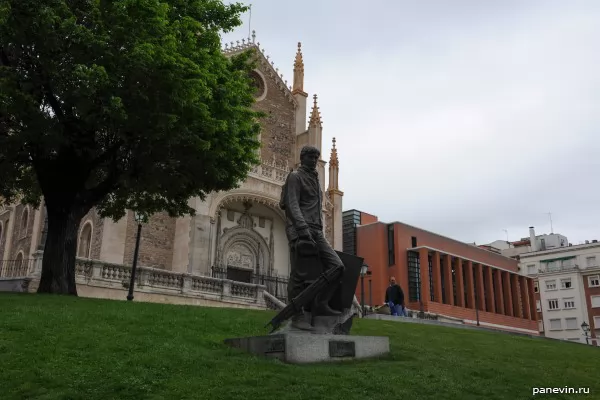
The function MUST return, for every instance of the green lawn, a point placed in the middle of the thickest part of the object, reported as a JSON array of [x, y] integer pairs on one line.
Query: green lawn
[[75, 348]]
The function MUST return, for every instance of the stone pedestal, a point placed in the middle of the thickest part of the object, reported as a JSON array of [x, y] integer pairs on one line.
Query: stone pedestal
[[303, 348]]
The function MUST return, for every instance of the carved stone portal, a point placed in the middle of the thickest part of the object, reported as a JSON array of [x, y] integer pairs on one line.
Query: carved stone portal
[[242, 247]]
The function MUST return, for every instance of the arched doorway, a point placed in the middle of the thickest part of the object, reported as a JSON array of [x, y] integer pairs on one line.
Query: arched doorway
[[249, 241]]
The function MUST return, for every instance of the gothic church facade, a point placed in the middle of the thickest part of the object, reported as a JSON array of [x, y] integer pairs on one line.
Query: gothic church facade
[[240, 231]]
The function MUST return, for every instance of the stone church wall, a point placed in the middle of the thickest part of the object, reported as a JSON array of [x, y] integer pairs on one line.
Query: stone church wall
[[97, 230], [277, 136], [4, 221], [21, 237], [156, 243]]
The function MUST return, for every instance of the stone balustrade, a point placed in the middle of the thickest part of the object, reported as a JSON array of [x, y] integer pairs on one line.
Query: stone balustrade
[[270, 171], [100, 274]]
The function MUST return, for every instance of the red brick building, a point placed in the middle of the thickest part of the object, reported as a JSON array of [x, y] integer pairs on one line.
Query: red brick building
[[447, 277], [591, 287]]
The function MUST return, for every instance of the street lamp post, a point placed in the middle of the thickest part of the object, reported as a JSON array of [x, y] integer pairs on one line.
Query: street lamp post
[[586, 330], [363, 272], [139, 218], [370, 291], [476, 304]]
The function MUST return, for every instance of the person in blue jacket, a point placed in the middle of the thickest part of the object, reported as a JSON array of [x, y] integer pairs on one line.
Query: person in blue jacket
[[394, 298]]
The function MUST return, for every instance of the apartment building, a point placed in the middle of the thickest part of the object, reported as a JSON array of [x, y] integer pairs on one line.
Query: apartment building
[[567, 291]]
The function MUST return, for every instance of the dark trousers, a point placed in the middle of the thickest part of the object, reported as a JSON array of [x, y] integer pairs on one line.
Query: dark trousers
[[307, 268]]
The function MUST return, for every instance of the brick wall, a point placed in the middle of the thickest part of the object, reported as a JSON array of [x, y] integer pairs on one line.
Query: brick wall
[[404, 234], [592, 312], [367, 218], [278, 134], [373, 247], [490, 318], [371, 244], [156, 243]]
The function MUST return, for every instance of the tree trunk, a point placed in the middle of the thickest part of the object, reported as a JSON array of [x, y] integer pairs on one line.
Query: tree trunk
[[58, 264]]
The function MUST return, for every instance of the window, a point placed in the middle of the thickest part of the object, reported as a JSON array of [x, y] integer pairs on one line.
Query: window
[[569, 302], [536, 287], [597, 323], [553, 304], [595, 301], [24, 221], [414, 276], [565, 283], [19, 261], [594, 281], [413, 241], [552, 266], [538, 305], [568, 263], [85, 241], [571, 323], [541, 326], [551, 285], [531, 269], [555, 324], [591, 261], [391, 246]]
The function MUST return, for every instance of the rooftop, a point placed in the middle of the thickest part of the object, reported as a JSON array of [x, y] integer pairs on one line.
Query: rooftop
[[561, 249]]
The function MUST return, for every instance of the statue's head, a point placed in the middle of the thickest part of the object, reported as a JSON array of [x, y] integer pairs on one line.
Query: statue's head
[[309, 155]]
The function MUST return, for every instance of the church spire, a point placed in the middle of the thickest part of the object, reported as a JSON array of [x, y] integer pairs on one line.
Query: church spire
[[335, 196], [315, 115], [298, 86], [333, 169]]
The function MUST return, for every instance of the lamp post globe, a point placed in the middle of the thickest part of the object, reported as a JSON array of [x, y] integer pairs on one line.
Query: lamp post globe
[[585, 327], [139, 218]]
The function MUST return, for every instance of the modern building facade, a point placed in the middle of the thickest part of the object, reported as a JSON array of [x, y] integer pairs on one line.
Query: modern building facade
[[351, 219], [567, 286], [447, 277]]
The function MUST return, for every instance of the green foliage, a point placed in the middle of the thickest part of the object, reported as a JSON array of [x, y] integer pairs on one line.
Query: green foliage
[[57, 347], [122, 104]]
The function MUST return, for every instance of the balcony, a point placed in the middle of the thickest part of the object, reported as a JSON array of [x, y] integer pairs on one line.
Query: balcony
[[558, 268], [270, 171]]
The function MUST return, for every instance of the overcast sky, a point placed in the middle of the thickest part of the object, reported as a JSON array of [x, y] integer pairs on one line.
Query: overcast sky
[[465, 118]]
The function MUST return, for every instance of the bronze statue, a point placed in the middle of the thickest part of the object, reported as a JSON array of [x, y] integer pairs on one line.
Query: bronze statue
[[311, 255]]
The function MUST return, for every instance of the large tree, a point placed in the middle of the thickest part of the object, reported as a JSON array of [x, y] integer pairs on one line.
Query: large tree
[[123, 104]]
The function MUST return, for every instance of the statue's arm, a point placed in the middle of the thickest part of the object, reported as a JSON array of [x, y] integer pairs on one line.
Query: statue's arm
[[293, 203]]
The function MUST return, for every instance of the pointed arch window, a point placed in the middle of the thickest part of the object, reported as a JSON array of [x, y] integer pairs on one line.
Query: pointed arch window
[[18, 265], [85, 241], [24, 221]]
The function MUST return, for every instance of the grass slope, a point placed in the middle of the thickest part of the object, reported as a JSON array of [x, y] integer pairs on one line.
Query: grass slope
[[75, 348]]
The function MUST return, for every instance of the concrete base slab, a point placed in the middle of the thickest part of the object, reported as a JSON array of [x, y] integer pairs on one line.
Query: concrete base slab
[[20, 285], [303, 348]]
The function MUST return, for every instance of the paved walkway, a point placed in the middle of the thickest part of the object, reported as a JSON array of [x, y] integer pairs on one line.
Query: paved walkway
[[455, 325]]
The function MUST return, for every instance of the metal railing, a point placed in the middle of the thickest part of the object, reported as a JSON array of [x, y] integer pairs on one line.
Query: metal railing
[[557, 268], [15, 268], [276, 285]]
